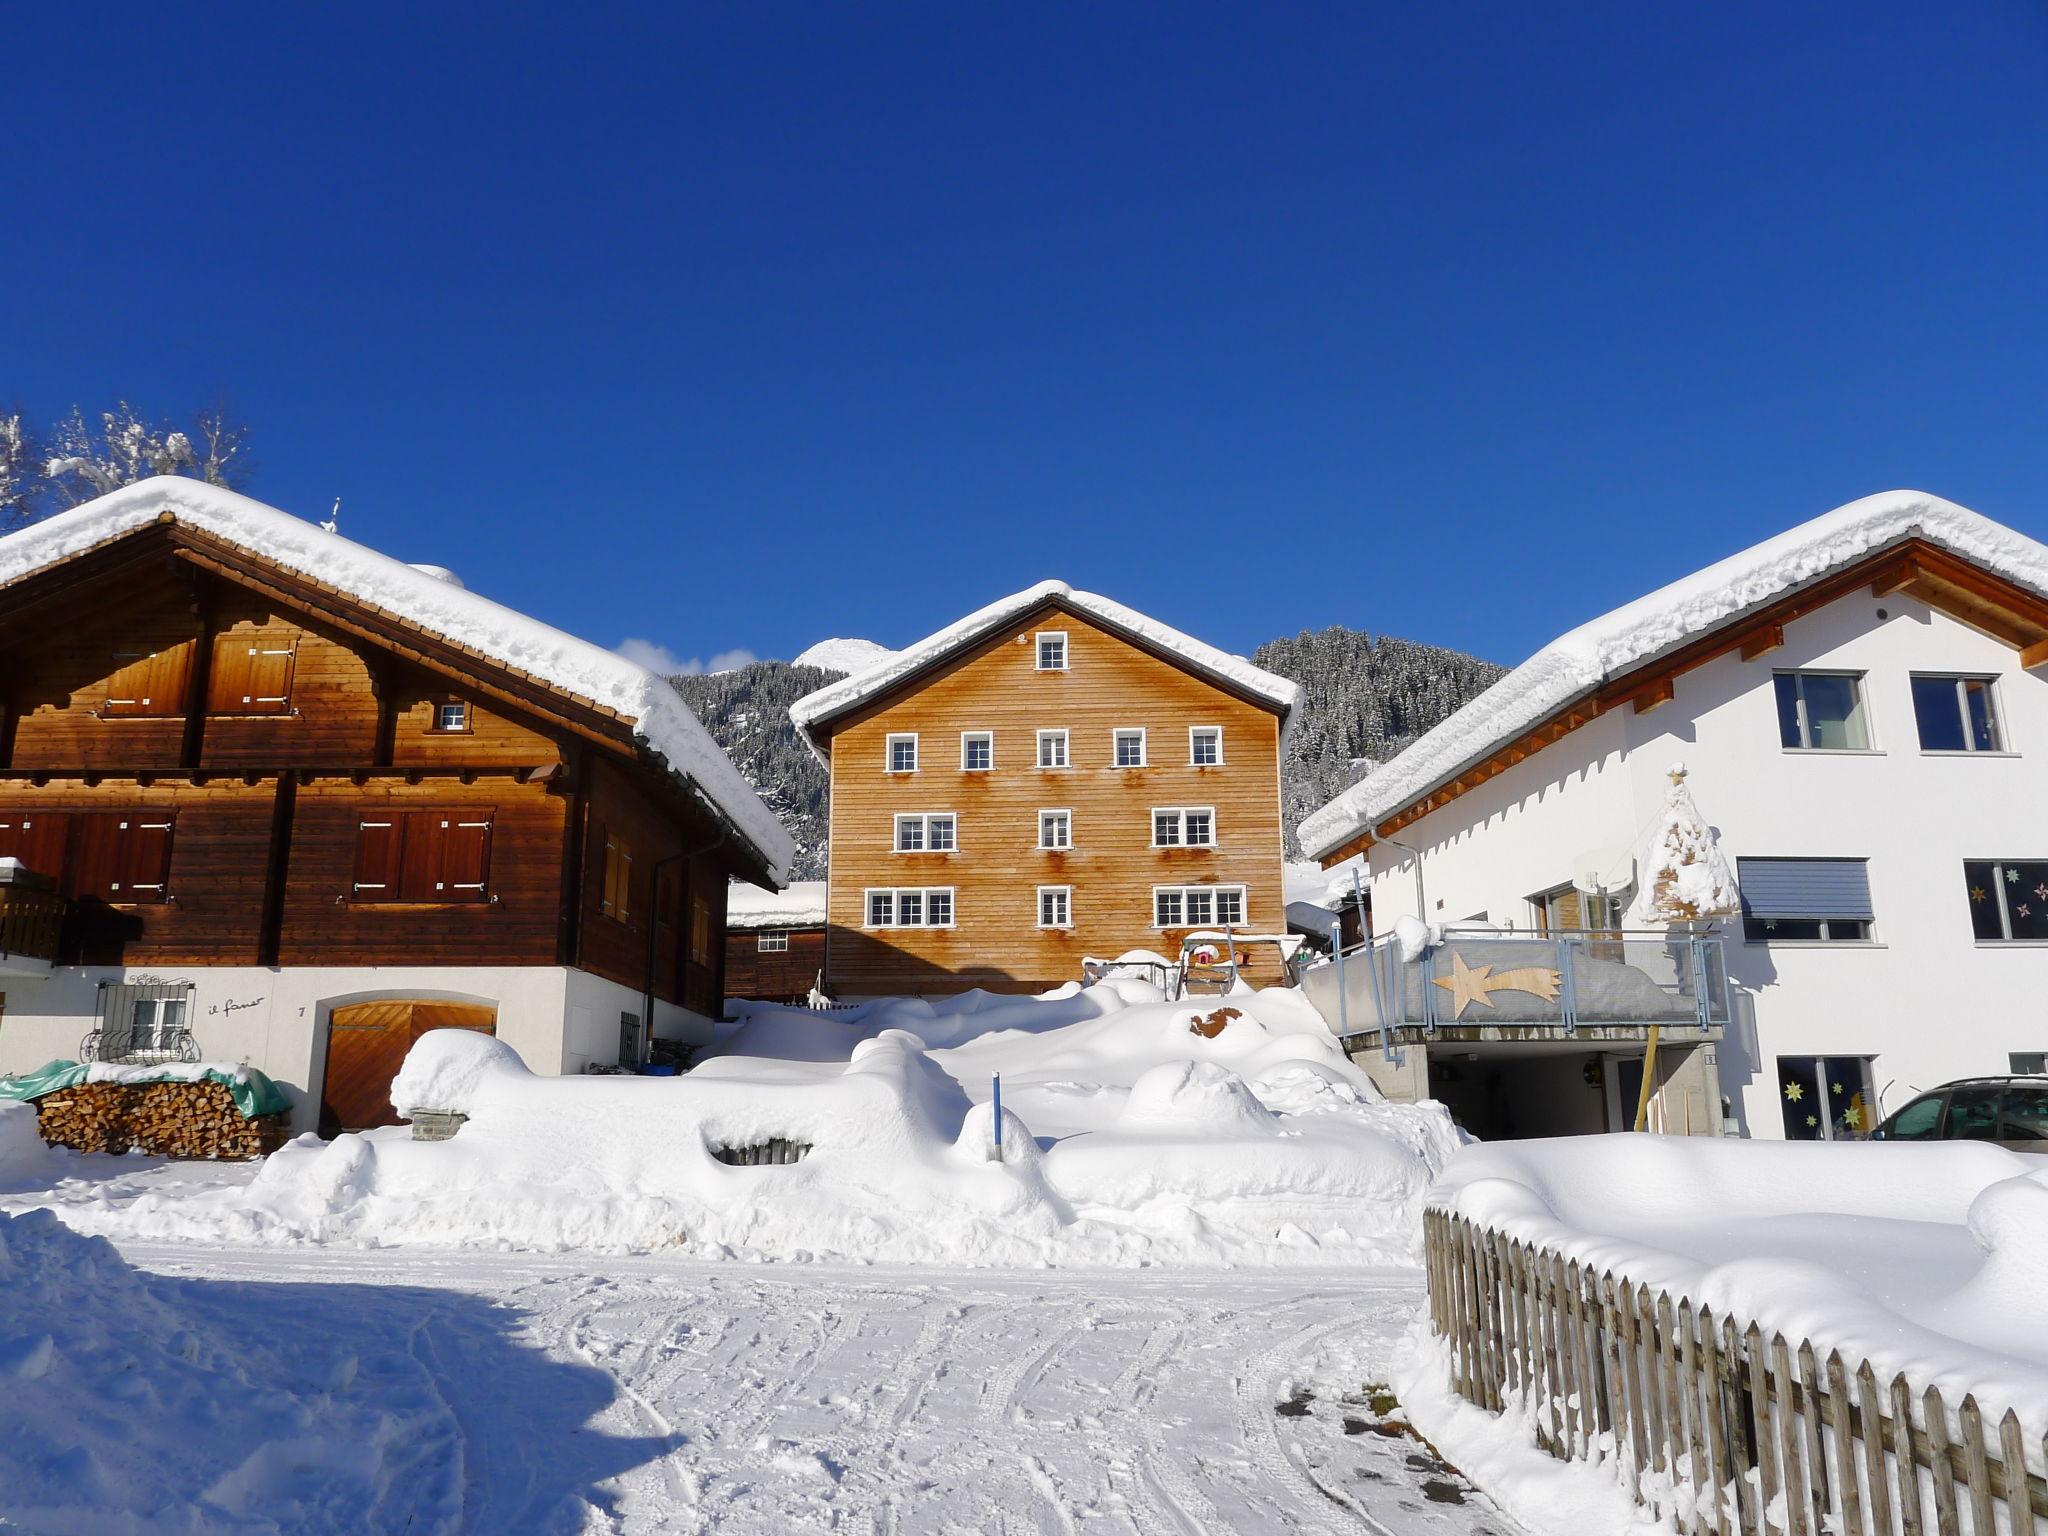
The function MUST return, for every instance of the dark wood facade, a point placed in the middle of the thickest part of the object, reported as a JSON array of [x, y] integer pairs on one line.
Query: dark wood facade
[[765, 973], [224, 762]]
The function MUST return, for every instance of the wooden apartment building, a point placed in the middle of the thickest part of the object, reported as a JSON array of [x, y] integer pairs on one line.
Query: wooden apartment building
[[1051, 779], [285, 801]]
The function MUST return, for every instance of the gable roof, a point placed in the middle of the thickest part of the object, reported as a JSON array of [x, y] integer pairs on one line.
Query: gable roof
[[659, 719], [1232, 673], [1582, 665]]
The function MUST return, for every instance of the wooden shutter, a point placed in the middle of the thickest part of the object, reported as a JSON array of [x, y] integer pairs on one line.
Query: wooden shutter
[[380, 842], [37, 839], [145, 858], [617, 900], [462, 857], [419, 867], [252, 674], [149, 684]]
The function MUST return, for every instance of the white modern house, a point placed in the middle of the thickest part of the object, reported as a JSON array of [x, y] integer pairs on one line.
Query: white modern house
[[1862, 709]]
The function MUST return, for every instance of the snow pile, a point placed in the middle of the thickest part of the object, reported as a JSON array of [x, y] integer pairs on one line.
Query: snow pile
[[603, 677], [23, 1156], [130, 1402], [1128, 1137], [1578, 663], [1930, 1259], [1235, 671], [1686, 877], [842, 655], [802, 905]]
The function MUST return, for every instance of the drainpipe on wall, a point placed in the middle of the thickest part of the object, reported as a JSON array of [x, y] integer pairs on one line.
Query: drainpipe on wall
[[1421, 907]]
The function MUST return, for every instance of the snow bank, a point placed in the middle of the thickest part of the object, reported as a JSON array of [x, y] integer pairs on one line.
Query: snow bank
[[802, 905], [512, 639], [837, 698], [23, 1155], [1128, 1138], [1930, 1259], [1577, 663]]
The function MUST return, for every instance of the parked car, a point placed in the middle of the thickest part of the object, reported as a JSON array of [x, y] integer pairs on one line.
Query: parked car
[[2012, 1111]]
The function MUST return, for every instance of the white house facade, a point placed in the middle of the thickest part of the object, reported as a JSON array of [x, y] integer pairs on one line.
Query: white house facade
[[1861, 726]]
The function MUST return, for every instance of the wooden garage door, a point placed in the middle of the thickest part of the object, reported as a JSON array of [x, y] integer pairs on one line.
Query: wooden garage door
[[366, 1045]]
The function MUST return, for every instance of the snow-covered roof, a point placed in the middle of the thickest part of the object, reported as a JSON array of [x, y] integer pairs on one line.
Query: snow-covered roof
[[802, 905], [1230, 671], [1595, 654], [577, 667]]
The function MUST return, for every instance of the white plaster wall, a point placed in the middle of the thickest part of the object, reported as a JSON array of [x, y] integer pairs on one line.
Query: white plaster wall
[[1924, 999]]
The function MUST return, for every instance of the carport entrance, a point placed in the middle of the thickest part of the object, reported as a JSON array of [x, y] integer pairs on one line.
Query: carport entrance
[[366, 1045]]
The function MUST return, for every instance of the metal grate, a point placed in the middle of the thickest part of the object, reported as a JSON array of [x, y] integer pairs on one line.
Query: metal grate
[[761, 1154], [142, 1022]]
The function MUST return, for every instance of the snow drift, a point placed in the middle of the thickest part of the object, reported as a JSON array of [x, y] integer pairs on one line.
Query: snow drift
[[1127, 1138]]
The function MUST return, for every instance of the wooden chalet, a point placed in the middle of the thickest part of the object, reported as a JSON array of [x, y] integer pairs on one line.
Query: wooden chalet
[[275, 798], [1051, 779], [775, 942]]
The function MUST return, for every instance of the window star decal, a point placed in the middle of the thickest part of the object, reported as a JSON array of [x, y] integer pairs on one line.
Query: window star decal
[[1976, 893], [1795, 1091], [2041, 890], [2023, 910], [2012, 877], [1811, 1122]]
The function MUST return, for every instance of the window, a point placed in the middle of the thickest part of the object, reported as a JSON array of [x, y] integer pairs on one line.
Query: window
[[1184, 827], [1197, 906], [1804, 900], [931, 832], [1052, 651], [451, 716], [149, 684], [252, 675], [1052, 749], [1918, 1121], [1956, 714], [977, 751], [1825, 1098], [157, 1024], [902, 754], [913, 908], [2023, 1114], [1821, 711], [1056, 830], [2008, 899], [1567, 909], [123, 856], [617, 898], [1055, 906], [1205, 746], [441, 857], [1130, 748], [771, 943]]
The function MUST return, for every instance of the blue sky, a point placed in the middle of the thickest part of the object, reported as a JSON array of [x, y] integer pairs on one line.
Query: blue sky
[[731, 329]]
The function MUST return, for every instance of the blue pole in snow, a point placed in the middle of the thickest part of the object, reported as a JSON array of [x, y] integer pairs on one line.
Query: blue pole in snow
[[999, 1116]]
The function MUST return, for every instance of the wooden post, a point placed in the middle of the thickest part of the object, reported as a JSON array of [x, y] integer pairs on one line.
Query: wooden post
[[1786, 1390], [277, 869], [1706, 1493], [1940, 1456], [1736, 1413], [198, 683], [1848, 1502], [1810, 1435], [2019, 1497], [1653, 1381], [1906, 1467], [1872, 1405], [1970, 1420], [1718, 1427], [1760, 1416]]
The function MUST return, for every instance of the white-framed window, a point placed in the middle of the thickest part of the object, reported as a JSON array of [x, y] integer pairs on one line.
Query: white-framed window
[[1055, 906], [1052, 650], [2006, 901], [927, 832], [910, 907], [451, 716], [771, 943], [1205, 746], [1055, 831], [1052, 749], [1127, 746], [977, 751], [901, 754], [1956, 714], [1822, 711], [1198, 906], [1184, 826], [157, 1023], [1805, 901]]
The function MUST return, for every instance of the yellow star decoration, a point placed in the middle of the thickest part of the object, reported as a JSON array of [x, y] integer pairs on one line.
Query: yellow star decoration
[[1795, 1092], [1469, 985], [1976, 893]]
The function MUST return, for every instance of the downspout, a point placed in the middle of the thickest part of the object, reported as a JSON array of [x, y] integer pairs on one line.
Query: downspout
[[1421, 908]]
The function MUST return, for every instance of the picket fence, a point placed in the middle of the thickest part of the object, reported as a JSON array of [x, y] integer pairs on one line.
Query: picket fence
[[1724, 1430]]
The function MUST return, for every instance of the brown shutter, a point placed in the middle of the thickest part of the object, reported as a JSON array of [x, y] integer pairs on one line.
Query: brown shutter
[[380, 842], [97, 860], [37, 839], [464, 857], [145, 855], [149, 684], [252, 674], [419, 869]]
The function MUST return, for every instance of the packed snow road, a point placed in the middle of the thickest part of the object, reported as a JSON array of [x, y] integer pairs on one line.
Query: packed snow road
[[648, 1394]]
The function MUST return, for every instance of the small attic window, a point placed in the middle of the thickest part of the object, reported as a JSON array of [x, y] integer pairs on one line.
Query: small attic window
[[451, 717], [1052, 651]]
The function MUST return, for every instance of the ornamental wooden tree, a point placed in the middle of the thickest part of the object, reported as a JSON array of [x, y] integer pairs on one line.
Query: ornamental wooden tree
[[1686, 880]]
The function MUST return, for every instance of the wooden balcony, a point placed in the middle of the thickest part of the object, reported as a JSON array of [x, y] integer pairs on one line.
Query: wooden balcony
[[31, 923]]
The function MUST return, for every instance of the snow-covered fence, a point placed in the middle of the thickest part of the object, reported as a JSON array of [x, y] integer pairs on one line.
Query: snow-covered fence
[[1717, 1427]]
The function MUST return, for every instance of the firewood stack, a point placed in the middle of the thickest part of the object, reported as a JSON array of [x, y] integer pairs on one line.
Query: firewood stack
[[169, 1119]]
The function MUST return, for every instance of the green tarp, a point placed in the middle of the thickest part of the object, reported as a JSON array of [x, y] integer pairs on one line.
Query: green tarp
[[253, 1093]]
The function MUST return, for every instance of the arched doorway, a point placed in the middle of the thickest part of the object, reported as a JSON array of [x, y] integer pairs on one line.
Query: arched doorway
[[366, 1045]]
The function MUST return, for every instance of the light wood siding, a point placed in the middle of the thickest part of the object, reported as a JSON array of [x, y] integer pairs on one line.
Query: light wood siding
[[1112, 867]]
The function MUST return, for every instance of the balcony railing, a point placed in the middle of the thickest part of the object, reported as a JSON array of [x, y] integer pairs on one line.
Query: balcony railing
[[1530, 984], [31, 923]]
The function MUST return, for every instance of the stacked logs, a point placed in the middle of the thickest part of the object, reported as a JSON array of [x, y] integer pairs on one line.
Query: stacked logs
[[168, 1119]]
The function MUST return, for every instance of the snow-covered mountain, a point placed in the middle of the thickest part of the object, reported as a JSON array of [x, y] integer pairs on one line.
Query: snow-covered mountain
[[846, 656]]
